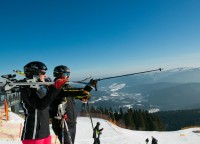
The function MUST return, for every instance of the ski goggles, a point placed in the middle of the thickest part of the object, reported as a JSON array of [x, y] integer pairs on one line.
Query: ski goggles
[[67, 74]]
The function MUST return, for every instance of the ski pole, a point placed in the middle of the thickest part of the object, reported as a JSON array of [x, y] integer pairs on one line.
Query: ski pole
[[94, 82], [129, 74], [90, 115]]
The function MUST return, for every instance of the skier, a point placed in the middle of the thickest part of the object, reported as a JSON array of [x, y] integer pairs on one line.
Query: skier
[[67, 94], [96, 133], [147, 141], [154, 140], [35, 104]]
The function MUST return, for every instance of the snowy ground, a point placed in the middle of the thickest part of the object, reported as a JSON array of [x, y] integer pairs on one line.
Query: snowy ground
[[116, 135]]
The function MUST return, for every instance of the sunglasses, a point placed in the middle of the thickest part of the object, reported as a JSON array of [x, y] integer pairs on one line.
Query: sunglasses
[[42, 72]]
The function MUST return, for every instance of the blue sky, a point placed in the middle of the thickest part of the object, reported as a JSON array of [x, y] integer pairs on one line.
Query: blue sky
[[100, 37]]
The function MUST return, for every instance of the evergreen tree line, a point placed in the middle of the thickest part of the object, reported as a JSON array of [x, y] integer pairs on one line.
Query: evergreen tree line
[[178, 119], [136, 119]]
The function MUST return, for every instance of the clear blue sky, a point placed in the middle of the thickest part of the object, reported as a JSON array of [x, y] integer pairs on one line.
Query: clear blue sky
[[100, 37]]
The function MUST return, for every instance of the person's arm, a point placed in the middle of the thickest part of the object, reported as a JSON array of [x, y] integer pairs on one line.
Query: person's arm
[[101, 129], [25, 94], [42, 103], [39, 99], [52, 92], [77, 93]]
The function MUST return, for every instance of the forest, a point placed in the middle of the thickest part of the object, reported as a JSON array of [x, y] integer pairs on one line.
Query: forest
[[137, 119]]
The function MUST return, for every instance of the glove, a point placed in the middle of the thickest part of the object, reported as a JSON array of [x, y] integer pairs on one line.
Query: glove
[[59, 83], [93, 82], [85, 96]]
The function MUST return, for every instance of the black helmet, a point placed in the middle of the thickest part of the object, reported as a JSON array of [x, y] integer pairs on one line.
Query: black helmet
[[60, 70], [98, 123], [34, 68]]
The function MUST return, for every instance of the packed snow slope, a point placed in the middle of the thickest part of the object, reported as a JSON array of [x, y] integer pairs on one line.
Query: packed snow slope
[[113, 134]]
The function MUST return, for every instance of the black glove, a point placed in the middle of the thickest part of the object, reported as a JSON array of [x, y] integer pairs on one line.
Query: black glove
[[93, 83]]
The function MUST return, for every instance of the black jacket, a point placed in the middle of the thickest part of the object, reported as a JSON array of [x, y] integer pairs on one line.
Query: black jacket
[[97, 132], [70, 94], [35, 105], [154, 141]]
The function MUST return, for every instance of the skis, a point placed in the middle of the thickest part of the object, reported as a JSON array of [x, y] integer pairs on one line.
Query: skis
[[10, 83], [19, 72]]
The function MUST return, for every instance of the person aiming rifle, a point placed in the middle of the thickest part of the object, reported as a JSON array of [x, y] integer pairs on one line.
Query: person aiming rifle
[[66, 97]]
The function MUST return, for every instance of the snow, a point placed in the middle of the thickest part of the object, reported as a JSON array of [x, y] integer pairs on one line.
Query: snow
[[182, 69], [113, 134], [116, 87], [154, 110]]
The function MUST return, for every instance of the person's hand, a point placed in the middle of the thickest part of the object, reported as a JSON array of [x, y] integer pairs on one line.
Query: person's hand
[[93, 82], [85, 97], [59, 83]]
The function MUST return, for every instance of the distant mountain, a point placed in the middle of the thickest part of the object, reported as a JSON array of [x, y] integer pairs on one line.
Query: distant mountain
[[180, 75], [174, 89]]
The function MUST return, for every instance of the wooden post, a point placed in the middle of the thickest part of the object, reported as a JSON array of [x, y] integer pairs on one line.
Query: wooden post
[[6, 109]]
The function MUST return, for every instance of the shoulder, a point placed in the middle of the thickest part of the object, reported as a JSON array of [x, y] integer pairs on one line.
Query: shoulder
[[67, 86]]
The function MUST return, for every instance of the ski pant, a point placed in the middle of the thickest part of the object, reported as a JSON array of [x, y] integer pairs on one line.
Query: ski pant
[[46, 140], [57, 128]]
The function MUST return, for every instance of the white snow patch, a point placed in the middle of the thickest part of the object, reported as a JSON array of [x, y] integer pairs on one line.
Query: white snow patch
[[153, 110], [116, 87]]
